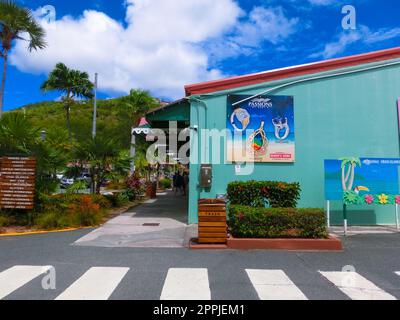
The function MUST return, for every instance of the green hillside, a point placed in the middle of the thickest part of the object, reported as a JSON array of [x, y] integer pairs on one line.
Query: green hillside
[[115, 118]]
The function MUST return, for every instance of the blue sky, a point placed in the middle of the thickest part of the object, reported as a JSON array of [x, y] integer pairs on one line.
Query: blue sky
[[161, 45]]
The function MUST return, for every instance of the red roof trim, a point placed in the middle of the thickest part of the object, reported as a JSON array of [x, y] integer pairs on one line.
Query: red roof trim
[[327, 65]]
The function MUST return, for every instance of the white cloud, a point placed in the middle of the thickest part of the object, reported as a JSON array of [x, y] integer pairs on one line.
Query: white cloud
[[265, 24], [158, 50], [322, 2], [362, 35], [383, 34], [260, 28], [162, 45], [336, 47]]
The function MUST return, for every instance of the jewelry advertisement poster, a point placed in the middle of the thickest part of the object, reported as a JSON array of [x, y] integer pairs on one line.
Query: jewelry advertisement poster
[[260, 129]]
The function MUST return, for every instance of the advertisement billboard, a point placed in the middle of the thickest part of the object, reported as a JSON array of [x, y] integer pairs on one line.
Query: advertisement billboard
[[260, 129]]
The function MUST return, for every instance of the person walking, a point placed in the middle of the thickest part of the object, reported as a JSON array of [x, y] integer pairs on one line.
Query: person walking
[[175, 182], [185, 183], [179, 183]]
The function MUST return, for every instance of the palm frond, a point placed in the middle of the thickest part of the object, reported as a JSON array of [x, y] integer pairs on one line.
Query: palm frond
[[15, 21]]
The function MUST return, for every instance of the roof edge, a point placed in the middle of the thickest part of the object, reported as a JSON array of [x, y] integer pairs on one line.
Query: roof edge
[[289, 72]]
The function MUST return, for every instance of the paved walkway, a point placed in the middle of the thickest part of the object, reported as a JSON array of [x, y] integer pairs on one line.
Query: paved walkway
[[158, 223], [358, 230]]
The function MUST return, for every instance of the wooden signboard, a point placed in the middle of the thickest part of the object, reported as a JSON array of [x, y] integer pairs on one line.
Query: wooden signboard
[[212, 221], [17, 183]]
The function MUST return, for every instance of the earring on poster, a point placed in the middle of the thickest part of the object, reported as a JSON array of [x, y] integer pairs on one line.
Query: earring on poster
[[280, 125]]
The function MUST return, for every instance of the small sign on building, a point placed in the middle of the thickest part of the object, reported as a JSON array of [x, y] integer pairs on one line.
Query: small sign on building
[[17, 182]]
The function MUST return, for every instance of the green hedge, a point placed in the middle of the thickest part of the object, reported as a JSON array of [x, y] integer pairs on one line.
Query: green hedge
[[250, 222], [258, 193]]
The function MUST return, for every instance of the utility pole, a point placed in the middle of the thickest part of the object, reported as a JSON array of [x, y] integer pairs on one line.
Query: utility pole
[[95, 106], [93, 184]]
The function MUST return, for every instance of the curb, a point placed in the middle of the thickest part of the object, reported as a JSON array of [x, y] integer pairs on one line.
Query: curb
[[29, 233], [332, 244]]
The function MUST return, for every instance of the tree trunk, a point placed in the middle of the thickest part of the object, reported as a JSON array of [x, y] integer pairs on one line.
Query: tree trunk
[[3, 83], [351, 182], [99, 182], [68, 108], [345, 176], [344, 187]]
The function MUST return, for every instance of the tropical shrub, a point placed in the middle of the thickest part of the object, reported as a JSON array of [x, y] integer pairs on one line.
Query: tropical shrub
[[135, 187], [260, 193], [250, 222], [105, 159], [51, 220], [85, 213], [5, 221], [165, 183], [118, 199], [102, 201], [116, 185], [76, 187], [74, 210]]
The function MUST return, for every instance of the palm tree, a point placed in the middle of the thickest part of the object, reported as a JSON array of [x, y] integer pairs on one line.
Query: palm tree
[[16, 23], [348, 167], [104, 157], [136, 104], [72, 83], [17, 136]]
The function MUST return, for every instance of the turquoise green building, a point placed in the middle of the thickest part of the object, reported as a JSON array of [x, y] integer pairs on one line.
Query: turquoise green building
[[342, 107]]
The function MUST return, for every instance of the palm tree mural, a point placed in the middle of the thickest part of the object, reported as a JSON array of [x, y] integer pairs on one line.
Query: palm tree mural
[[17, 23], [73, 84], [349, 165]]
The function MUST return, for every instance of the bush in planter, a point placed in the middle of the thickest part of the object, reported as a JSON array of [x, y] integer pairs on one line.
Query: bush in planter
[[250, 222], [258, 193], [135, 187]]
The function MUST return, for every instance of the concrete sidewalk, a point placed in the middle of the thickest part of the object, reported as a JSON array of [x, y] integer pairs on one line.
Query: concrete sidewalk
[[359, 230], [158, 223]]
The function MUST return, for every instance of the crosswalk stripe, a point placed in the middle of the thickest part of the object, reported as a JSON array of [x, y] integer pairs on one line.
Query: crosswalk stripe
[[274, 285], [186, 284], [17, 276], [356, 287], [98, 283]]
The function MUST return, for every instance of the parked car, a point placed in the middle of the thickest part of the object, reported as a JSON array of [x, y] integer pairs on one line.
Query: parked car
[[86, 178], [66, 182]]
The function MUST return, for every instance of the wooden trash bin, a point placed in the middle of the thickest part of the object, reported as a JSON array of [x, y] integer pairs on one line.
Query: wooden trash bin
[[212, 221]]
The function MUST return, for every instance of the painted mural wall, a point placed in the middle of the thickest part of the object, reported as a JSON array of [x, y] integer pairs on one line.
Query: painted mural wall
[[351, 115]]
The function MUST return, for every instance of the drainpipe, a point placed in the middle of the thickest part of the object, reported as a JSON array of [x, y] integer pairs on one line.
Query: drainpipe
[[204, 105], [199, 157]]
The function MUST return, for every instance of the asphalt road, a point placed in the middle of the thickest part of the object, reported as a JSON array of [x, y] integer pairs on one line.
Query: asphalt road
[[374, 257]]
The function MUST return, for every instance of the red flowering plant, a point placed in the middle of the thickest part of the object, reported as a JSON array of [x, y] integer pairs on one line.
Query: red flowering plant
[[85, 212], [135, 187]]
